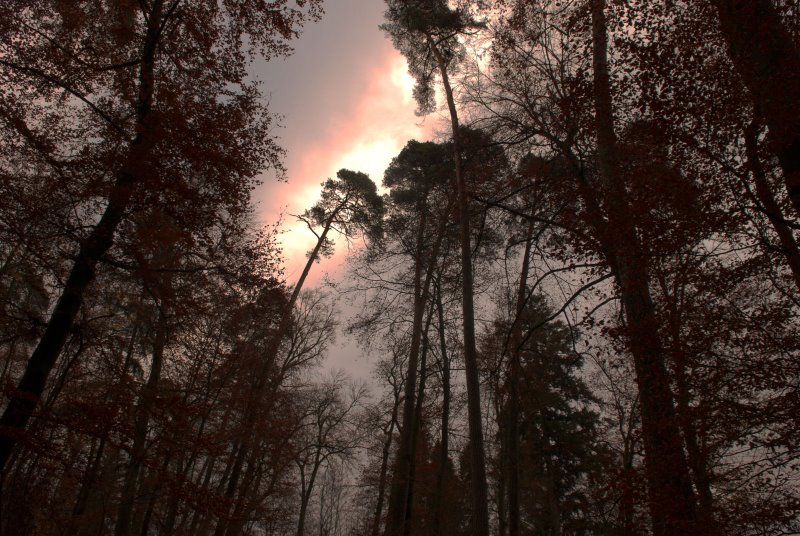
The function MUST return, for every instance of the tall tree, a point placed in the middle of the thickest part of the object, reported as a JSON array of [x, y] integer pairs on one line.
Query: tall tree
[[671, 496], [348, 205], [417, 179], [768, 60], [331, 430], [427, 32], [131, 84], [558, 446]]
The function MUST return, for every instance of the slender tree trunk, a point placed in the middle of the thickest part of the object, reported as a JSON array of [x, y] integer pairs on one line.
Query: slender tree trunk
[[480, 495], [305, 494], [87, 483], [771, 207], [438, 501], [233, 485], [553, 495], [626, 502], [233, 480], [152, 485], [248, 499], [698, 462], [270, 357], [89, 477], [223, 485], [31, 386], [515, 371], [376, 521], [187, 467], [672, 502], [195, 526], [143, 411], [171, 508], [241, 509], [398, 492], [767, 59], [96, 467], [423, 377], [502, 488]]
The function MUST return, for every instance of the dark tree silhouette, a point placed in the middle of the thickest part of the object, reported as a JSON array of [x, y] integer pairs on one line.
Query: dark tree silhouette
[[427, 32]]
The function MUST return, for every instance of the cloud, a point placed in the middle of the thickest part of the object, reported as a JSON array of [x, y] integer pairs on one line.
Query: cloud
[[346, 100], [363, 133]]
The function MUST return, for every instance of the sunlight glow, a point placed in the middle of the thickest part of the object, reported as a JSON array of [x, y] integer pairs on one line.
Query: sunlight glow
[[370, 157], [357, 141], [402, 80]]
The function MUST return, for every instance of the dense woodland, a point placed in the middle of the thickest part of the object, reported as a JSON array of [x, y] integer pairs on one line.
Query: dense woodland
[[580, 302]]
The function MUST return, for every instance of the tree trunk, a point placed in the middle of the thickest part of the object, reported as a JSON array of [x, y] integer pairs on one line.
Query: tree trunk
[[402, 469], [223, 485], [195, 524], [553, 496], [398, 493], [765, 56], [305, 494], [270, 357], [771, 207], [626, 502], [480, 495], [171, 508], [515, 371], [144, 408], [89, 477], [376, 521], [502, 490], [248, 499], [423, 377], [438, 501], [672, 502], [31, 386], [698, 462], [152, 490], [87, 483]]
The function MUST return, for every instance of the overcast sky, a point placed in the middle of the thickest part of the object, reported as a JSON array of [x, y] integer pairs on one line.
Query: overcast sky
[[345, 98]]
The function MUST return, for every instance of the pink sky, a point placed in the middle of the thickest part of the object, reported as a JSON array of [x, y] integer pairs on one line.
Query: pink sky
[[346, 100]]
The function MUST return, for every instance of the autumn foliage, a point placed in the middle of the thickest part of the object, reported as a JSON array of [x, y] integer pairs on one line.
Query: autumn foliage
[[579, 301]]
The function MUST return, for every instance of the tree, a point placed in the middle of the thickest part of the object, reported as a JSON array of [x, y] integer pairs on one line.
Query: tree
[[350, 206], [768, 61], [557, 429], [730, 195], [135, 86], [390, 372], [558, 102], [331, 431], [426, 32], [163, 294], [416, 177]]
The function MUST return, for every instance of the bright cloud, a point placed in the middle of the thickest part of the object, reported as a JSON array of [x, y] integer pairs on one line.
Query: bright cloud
[[363, 136]]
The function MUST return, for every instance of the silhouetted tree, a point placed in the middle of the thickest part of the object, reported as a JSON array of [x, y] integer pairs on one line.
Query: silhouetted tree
[[133, 73], [427, 33]]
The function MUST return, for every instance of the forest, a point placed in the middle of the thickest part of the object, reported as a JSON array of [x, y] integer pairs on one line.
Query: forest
[[579, 299]]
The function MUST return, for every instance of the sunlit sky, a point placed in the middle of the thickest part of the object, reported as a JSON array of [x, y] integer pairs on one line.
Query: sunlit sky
[[345, 98]]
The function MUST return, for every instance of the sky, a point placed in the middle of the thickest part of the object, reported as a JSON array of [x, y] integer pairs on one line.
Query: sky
[[346, 100]]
